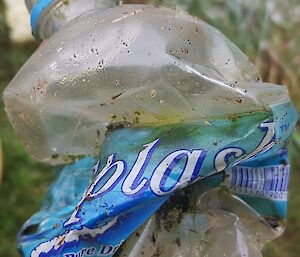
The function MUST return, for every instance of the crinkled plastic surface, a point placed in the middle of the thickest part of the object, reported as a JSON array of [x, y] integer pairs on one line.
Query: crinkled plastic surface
[[140, 168], [175, 107], [137, 65], [221, 225]]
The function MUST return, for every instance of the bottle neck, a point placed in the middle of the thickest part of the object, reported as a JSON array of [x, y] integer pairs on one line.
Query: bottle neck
[[61, 12]]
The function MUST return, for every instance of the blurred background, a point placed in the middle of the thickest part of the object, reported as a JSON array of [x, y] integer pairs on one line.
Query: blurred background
[[268, 31]]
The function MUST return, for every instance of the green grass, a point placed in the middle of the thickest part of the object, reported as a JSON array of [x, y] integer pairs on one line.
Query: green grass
[[25, 181]]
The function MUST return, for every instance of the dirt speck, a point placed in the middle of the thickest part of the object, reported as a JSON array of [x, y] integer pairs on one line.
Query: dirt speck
[[117, 95], [153, 93], [239, 100], [178, 242]]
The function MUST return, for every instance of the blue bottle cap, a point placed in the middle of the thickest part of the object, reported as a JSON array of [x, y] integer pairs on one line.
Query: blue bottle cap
[[37, 10]]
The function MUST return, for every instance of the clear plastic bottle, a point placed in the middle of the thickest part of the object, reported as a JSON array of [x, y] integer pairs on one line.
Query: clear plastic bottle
[[126, 79]]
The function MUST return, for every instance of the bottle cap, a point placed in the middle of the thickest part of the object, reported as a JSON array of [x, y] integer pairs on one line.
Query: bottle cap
[[36, 8]]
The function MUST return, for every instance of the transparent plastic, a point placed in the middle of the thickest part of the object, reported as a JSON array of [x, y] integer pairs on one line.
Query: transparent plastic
[[30, 4], [216, 223], [133, 65], [60, 12]]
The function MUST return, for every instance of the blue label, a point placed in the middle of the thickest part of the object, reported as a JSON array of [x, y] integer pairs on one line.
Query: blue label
[[140, 168], [268, 182]]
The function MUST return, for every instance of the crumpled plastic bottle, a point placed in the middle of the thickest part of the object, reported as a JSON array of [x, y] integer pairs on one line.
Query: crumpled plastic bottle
[[139, 103]]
